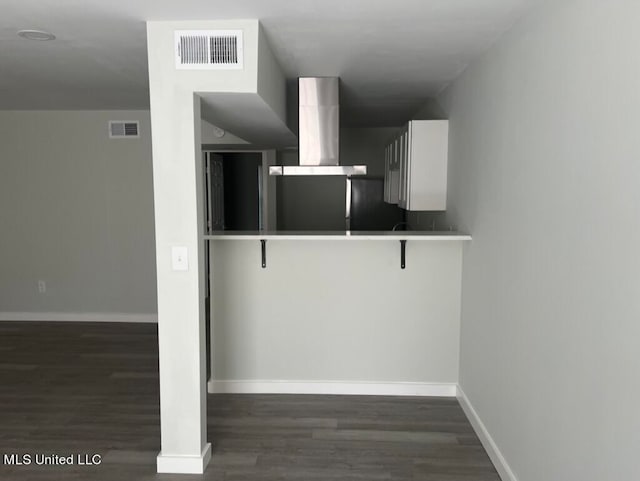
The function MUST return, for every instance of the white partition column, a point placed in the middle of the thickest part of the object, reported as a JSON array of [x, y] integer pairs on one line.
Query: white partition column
[[176, 131], [181, 324], [181, 320], [179, 97]]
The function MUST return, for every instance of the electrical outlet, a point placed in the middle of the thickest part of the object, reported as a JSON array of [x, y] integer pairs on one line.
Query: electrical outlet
[[42, 287]]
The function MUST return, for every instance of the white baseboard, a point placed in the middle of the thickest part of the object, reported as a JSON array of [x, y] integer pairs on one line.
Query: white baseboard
[[182, 464], [78, 316], [334, 387], [498, 460]]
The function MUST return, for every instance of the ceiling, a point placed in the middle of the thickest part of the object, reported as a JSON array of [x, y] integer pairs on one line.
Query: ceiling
[[391, 56]]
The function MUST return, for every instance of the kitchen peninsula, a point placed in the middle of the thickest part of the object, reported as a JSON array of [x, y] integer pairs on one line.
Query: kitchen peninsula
[[340, 235], [335, 312]]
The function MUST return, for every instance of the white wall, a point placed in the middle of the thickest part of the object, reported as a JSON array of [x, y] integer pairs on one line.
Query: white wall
[[271, 83], [336, 311], [76, 210], [544, 173]]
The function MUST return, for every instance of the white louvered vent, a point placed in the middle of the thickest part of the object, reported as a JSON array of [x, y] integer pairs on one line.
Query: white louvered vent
[[119, 129], [208, 49]]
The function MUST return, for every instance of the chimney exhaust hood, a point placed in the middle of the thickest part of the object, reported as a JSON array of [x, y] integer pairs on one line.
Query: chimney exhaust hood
[[319, 131]]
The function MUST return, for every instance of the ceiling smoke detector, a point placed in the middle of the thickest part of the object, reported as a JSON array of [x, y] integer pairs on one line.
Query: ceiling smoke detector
[[39, 35]]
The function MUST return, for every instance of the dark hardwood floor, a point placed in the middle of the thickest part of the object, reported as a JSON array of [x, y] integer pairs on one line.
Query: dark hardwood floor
[[85, 388]]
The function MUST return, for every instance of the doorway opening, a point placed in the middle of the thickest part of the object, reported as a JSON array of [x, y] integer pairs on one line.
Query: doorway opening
[[234, 191], [239, 195]]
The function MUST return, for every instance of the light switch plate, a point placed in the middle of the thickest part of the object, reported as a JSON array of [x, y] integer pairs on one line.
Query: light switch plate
[[179, 258]]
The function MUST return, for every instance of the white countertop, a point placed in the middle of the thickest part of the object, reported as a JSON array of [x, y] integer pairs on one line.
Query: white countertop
[[340, 235]]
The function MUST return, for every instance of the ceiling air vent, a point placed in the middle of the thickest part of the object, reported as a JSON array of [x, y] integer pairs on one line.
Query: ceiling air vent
[[209, 49], [119, 129]]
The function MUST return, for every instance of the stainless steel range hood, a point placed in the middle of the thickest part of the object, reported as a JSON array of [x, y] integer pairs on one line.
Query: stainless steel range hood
[[319, 131]]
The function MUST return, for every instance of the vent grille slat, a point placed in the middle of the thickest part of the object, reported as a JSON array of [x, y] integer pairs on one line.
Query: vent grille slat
[[120, 129], [235, 49], [213, 49], [130, 129]]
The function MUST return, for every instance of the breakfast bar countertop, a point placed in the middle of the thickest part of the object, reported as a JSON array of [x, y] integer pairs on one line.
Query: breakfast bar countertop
[[340, 235]]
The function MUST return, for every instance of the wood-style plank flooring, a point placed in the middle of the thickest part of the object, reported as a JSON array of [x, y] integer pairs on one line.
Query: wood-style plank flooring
[[92, 388]]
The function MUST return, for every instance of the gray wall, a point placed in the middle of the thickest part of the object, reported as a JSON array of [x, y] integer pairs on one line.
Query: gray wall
[[318, 203], [545, 174], [336, 311], [76, 210]]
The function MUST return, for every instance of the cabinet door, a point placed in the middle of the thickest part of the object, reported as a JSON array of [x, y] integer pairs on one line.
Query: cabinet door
[[387, 175], [395, 176], [395, 187], [406, 142], [426, 172], [395, 172], [391, 174], [405, 168], [392, 153]]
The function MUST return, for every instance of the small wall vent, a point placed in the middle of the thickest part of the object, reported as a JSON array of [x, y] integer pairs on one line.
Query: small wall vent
[[209, 49], [119, 129]]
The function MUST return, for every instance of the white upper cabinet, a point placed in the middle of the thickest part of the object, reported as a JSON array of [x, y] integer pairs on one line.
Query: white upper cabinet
[[416, 166], [392, 172]]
